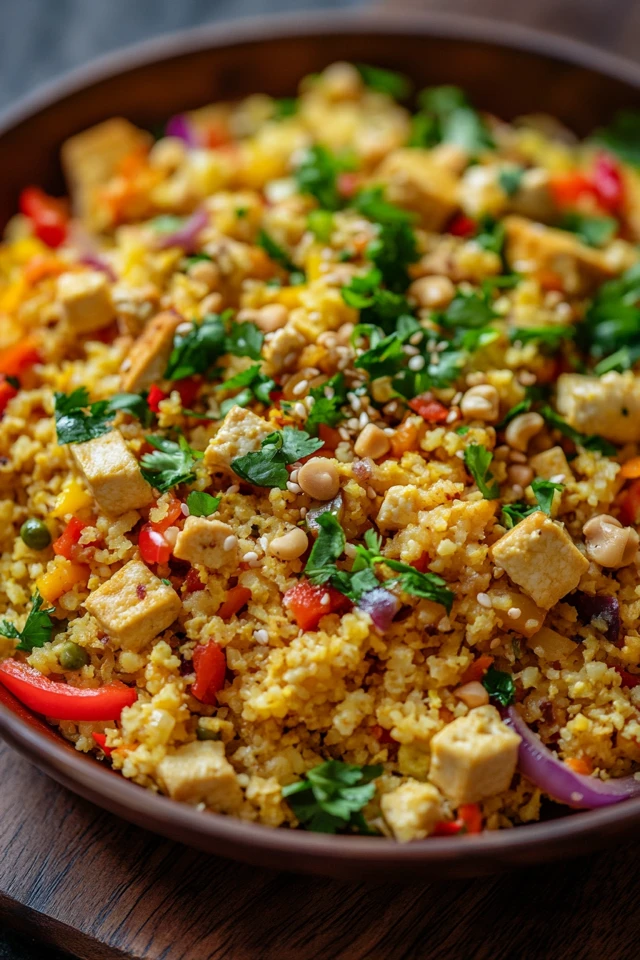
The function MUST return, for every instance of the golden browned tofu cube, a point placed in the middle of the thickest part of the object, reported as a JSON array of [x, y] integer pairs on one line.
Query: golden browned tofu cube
[[608, 406], [113, 474], [199, 772], [474, 757], [134, 605], [403, 503], [414, 181], [516, 611], [150, 353], [551, 464], [550, 645], [209, 542], [241, 432], [86, 301], [533, 249], [540, 556], [412, 810]]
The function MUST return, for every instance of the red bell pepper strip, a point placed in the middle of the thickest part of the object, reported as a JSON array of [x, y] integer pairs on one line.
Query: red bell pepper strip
[[47, 215], [469, 820], [308, 606], [462, 226], [60, 701], [154, 397], [477, 669], [630, 504], [67, 543], [629, 680], [607, 182], [7, 392], [430, 410], [101, 740], [14, 360], [210, 665], [567, 188], [174, 512], [234, 601], [153, 546], [193, 583]]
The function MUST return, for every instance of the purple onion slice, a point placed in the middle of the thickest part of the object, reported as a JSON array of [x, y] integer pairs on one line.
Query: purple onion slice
[[185, 236], [604, 609], [180, 126], [381, 605]]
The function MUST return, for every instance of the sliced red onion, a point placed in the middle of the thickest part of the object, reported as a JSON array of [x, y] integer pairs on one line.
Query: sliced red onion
[[539, 765], [381, 605], [185, 236], [180, 126], [606, 609], [98, 263]]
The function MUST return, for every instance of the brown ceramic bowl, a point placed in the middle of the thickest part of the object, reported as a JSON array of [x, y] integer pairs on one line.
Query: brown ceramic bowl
[[508, 70]]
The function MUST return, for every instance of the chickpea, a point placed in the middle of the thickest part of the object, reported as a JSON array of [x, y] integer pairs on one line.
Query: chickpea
[[522, 429], [290, 545], [473, 694], [341, 81], [433, 293], [608, 542], [203, 271], [319, 478], [372, 442], [272, 317], [481, 403], [520, 474]]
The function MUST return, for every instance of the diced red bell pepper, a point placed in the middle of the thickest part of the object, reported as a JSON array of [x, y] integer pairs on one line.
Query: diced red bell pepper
[[607, 182], [61, 701], [153, 546], [210, 665], [471, 816], [48, 216], [188, 389], [174, 512], [430, 410], [421, 563], [630, 680], [14, 360], [448, 828], [568, 188], [329, 436], [305, 601], [154, 397], [462, 226], [7, 392], [630, 504], [67, 543], [101, 740], [477, 669], [216, 135], [193, 583], [235, 600]]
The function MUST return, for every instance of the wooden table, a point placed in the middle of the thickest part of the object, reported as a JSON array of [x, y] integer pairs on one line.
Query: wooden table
[[90, 884]]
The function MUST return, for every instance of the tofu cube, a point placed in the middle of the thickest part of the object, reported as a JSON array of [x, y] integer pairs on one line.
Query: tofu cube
[[149, 356], [113, 474], [533, 249], [474, 757], [412, 810], [552, 464], [241, 432], [134, 605], [608, 406], [203, 541], [414, 181], [86, 301], [540, 556], [403, 503], [199, 772]]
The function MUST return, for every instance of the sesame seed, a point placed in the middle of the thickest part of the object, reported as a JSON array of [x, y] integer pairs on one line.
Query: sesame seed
[[250, 556], [261, 636], [484, 600], [457, 398], [264, 542], [303, 512], [416, 337], [325, 599], [514, 612], [329, 393], [300, 388], [234, 488], [309, 402], [355, 402], [416, 363], [557, 478], [411, 351], [184, 509], [300, 410], [526, 378], [390, 408], [184, 328], [293, 487], [530, 624], [343, 433], [452, 416], [364, 420], [230, 543], [371, 493]]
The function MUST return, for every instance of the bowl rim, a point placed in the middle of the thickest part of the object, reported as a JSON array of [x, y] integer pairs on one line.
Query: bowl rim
[[58, 758]]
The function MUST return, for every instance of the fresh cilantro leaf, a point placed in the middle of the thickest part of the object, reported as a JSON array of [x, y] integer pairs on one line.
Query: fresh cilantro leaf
[[252, 384], [280, 256], [37, 628], [513, 513], [468, 310], [491, 235], [623, 136], [284, 108], [425, 132], [202, 504], [78, 420], [457, 122], [500, 686], [355, 585], [383, 359], [268, 466], [317, 175], [462, 431], [394, 247], [321, 224], [623, 359], [198, 349], [376, 305], [594, 231], [522, 407], [328, 398], [612, 322], [170, 463], [510, 179], [328, 547], [244, 340], [134, 404], [589, 442], [442, 100], [429, 586], [543, 491], [394, 84], [478, 460], [331, 796]]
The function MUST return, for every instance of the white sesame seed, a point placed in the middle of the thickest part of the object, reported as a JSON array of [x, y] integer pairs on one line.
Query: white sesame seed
[[457, 398], [557, 478], [526, 378], [329, 393], [171, 535], [309, 402], [355, 402], [484, 600], [389, 431], [264, 543], [325, 599], [234, 488], [250, 556], [390, 408], [416, 363], [514, 612], [230, 543], [416, 337], [352, 423], [293, 487], [371, 493], [343, 433], [300, 388], [303, 513], [184, 328], [184, 509], [299, 409], [364, 420], [452, 416], [410, 351], [261, 636]]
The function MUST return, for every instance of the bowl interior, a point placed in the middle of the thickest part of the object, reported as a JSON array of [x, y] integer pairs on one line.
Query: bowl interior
[[509, 71]]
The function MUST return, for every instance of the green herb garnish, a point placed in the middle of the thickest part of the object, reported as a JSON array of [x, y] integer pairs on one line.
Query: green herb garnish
[[394, 84], [280, 256], [510, 179], [589, 442], [478, 460], [252, 384], [500, 686], [37, 628], [317, 175], [169, 464], [623, 136], [268, 466], [394, 247], [594, 231], [78, 420], [331, 796], [329, 399]]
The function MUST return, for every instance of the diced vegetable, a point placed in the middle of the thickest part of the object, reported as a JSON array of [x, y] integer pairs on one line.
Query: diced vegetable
[[60, 701], [48, 216], [210, 665], [35, 534], [61, 578], [308, 604], [236, 599], [67, 543]]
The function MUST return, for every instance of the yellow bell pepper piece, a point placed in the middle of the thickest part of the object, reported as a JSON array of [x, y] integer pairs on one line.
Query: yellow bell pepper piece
[[61, 578], [72, 499]]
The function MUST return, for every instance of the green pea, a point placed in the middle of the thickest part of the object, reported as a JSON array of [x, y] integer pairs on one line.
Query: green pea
[[204, 729], [35, 533], [71, 656]]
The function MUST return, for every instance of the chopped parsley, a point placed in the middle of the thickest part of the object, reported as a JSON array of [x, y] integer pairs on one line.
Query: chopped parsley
[[252, 384], [500, 686], [543, 490], [280, 256], [332, 795], [37, 628], [328, 398], [478, 460], [469, 310], [268, 466], [170, 463], [522, 407], [491, 235], [317, 175], [611, 327], [78, 420], [447, 117], [376, 305], [594, 231], [513, 513], [510, 179], [197, 350], [328, 547], [202, 504], [394, 247], [394, 84], [589, 442]]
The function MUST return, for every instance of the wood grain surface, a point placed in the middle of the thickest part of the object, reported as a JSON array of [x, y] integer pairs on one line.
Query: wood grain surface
[[92, 885]]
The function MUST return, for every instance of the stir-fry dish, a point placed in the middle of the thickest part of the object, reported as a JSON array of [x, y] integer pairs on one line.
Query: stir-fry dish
[[320, 459]]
